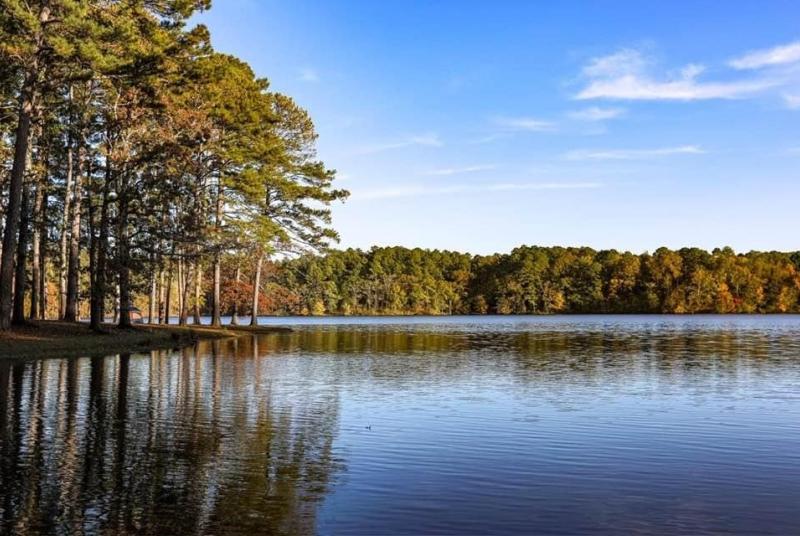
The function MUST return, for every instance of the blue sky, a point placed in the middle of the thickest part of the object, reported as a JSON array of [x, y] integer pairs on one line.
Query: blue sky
[[480, 126]]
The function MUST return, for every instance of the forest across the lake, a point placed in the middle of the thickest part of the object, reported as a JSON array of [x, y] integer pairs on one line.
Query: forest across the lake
[[529, 280]]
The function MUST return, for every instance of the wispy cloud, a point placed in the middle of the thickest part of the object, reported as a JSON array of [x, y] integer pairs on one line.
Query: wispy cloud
[[421, 140], [619, 63], [425, 191], [530, 124], [626, 75], [595, 114], [631, 154], [779, 55], [489, 138], [792, 101], [442, 172], [509, 126], [308, 74]]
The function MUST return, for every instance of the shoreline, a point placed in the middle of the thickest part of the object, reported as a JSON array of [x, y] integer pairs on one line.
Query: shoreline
[[53, 339], [43, 339]]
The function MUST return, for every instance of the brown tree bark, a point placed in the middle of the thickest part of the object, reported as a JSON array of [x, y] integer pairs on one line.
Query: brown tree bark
[[215, 312], [184, 314], [235, 312], [216, 319], [151, 308], [39, 232], [74, 266], [168, 290], [20, 276], [198, 284], [99, 280], [256, 290], [123, 249], [13, 211], [161, 296], [181, 296], [64, 258], [43, 261]]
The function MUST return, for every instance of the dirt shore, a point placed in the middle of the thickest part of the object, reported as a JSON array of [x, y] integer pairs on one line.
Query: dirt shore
[[67, 339]]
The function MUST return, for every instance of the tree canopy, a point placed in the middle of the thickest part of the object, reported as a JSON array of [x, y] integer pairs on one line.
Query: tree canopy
[[138, 158]]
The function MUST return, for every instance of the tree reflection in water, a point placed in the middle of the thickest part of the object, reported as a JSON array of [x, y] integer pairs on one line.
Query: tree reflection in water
[[191, 441]]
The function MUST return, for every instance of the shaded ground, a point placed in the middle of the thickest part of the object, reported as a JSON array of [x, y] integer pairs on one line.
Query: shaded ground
[[68, 339]]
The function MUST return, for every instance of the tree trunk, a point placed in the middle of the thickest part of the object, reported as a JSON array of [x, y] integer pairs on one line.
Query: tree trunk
[[181, 296], [256, 287], [123, 249], [35, 257], [235, 312], [13, 210], [43, 259], [160, 276], [20, 277], [161, 293], [198, 284], [99, 287], [215, 313], [27, 104], [116, 304], [37, 267], [64, 259], [91, 221], [168, 299], [184, 315], [216, 319], [74, 266], [151, 309]]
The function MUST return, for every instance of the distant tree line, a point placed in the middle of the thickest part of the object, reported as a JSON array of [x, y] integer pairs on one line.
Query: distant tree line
[[533, 280], [134, 158]]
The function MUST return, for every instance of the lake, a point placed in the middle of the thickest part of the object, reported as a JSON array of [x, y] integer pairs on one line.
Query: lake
[[458, 425]]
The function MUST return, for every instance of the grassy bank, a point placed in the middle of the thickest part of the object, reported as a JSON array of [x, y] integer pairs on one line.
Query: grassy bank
[[67, 339]]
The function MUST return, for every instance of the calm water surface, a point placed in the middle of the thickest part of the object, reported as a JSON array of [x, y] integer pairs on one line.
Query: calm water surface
[[507, 425]]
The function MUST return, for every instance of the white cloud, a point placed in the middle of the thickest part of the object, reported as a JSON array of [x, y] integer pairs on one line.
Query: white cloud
[[530, 124], [625, 75], [421, 140], [779, 55], [792, 100], [633, 88], [458, 170], [631, 154], [595, 113], [425, 191], [507, 126], [308, 74], [618, 64], [430, 140], [489, 138], [506, 187]]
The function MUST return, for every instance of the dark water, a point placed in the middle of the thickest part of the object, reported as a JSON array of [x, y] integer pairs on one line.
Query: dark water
[[557, 425]]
